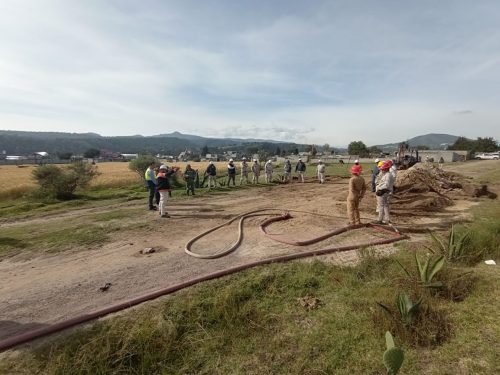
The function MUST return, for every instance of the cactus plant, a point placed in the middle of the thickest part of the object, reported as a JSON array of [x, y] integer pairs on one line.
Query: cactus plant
[[393, 357]]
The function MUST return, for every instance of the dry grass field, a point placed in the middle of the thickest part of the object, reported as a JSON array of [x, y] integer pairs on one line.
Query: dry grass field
[[15, 180]]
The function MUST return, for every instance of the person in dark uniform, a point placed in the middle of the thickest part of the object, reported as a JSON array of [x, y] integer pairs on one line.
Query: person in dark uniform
[[189, 177]]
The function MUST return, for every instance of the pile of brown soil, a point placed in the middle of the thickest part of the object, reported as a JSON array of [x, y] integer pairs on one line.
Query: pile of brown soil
[[428, 188]]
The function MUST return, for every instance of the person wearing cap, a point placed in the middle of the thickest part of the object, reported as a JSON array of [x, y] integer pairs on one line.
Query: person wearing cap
[[164, 187], [231, 173], [357, 188], [375, 172], [321, 171], [189, 177], [268, 168], [151, 181], [301, 169], [287, 170], [255, 171], [383, 190], [244, 171], [211, 173]]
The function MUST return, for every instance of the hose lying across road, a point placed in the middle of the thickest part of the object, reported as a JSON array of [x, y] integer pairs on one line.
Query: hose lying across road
[[57, 327], [285, 215]]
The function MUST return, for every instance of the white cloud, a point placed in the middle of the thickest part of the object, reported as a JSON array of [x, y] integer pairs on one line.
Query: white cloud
[[329, 72]]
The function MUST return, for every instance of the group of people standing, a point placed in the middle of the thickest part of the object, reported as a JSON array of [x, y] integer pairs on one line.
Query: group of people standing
[[382, 184], [256, 169]]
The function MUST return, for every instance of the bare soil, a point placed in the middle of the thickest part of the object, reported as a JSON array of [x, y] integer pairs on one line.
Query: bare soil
[[51, 288]]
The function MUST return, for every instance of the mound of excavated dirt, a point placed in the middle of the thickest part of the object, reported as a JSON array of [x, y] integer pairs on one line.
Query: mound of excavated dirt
[[426, 187]]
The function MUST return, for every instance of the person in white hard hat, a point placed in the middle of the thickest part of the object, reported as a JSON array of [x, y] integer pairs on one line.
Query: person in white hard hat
[[211, 173], [301, 169], [255, 171], [268, 167], [321, 171], [244, 171], [231, 173]]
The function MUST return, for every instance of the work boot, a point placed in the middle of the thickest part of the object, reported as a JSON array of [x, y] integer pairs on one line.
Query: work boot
[[153, 208]]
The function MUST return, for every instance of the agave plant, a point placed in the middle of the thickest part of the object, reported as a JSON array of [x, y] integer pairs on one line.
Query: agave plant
[[406, 308], [393, 357], [455, 247], [426, 271]]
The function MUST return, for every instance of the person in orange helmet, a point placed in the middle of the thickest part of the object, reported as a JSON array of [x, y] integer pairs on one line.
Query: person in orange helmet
[[357, 188]]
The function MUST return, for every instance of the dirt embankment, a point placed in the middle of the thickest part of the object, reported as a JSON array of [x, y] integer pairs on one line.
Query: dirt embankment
[[426, 187]]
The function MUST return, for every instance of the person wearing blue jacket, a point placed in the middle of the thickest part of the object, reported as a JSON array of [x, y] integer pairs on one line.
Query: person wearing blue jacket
[[211, 173], [301, 169], [231, 173]]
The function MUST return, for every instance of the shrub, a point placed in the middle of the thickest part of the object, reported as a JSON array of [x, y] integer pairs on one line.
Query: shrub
[[142, 163], [62, 183]]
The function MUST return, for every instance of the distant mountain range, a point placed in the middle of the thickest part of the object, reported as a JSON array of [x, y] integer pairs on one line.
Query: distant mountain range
[[432, 141], [197, 138], [25, 143]]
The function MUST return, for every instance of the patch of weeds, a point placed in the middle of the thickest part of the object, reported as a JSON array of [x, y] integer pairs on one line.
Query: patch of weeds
[[371, 266], [57, 240], [12, 242], [457, 284], [425, 327], [16, 193]]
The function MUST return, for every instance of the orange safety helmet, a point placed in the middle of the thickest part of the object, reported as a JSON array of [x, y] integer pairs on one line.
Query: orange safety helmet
[[387, 165], [356, 169]]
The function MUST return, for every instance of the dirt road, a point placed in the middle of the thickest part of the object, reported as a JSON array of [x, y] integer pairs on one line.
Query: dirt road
[[51, 288]]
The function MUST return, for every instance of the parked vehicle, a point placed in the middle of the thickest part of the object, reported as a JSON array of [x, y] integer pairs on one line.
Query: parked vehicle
[[488, 156]]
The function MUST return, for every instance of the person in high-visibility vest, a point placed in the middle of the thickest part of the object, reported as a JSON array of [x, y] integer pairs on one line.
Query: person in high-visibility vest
[[152, 182]]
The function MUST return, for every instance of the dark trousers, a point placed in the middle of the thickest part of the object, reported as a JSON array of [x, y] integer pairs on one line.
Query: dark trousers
[[231, 176], [190, 186], [153, 194]]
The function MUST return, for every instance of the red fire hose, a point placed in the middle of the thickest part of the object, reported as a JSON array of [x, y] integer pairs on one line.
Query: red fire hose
[[57, 327]]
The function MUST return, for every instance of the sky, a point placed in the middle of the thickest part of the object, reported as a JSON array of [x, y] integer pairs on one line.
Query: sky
[[301, 71]]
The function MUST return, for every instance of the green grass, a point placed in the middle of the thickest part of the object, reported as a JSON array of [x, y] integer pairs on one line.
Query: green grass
[[60, 234], [485, 230], [253, 323]]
